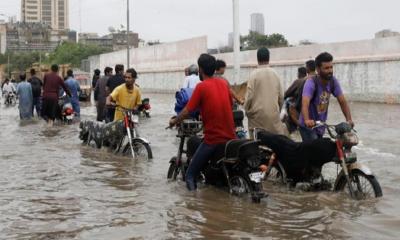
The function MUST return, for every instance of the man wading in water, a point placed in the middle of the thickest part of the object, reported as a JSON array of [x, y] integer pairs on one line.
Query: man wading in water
[[126, 95], [52, 83], [214, 100]]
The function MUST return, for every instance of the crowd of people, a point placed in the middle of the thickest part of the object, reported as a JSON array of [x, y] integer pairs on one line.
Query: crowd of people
[[42, 96], [306, 100], [208, 94]]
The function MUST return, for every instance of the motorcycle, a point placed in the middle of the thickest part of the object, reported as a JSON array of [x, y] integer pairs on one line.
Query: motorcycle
[[119, 136], [236, 164], [144, 108], [291, 162], [67, 113], [10, 98], [135, 145]]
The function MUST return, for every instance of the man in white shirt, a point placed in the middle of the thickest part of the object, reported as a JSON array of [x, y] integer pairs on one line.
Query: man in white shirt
[[193, 79], [8, 87]]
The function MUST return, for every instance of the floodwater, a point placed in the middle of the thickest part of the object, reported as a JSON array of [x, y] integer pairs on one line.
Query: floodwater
[[53, 187]]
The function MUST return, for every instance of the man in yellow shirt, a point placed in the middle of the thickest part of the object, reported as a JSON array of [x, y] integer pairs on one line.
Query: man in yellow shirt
[[126, 95]]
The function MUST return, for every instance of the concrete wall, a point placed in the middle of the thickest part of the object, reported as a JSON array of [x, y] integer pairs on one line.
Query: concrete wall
[[162, 57], [368, 70]]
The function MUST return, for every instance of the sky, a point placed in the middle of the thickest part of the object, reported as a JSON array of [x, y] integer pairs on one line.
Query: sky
[[171, 20]]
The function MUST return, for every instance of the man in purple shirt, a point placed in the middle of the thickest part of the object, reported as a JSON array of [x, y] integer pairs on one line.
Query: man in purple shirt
[[315, 99]]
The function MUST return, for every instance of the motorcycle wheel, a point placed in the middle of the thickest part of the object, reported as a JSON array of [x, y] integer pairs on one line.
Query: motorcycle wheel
[[173, 170], [276, 175], [239, 185], [142, 149], [365, 186]]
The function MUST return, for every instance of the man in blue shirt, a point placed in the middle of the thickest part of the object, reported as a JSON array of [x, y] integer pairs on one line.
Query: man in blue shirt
[[74, 88], [24, 92]]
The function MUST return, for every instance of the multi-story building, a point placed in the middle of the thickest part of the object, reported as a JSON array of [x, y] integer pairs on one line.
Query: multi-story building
[[115, 41], [27, 37], [257, 23], [54, 13]]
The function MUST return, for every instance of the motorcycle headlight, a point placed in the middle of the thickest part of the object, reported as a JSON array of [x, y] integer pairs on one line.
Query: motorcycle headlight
[[351, 157], [350, 139], [135, 119]]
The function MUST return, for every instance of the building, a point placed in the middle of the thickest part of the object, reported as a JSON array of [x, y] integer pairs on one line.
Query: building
[[115, 41], [3, 37], [257, 23], [54, 13], [95, 39], [30, 37], [72, 36], [386, 33]]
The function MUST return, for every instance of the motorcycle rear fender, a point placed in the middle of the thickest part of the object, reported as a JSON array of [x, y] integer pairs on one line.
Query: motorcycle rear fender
[[142, 139]]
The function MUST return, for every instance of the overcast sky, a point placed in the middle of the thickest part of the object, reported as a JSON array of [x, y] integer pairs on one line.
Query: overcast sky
[[171, 20]]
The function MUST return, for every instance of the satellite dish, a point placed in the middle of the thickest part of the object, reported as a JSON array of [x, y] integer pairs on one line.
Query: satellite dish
[[111, 29]]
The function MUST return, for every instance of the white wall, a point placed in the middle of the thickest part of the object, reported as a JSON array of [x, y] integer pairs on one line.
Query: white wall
[[368, 70]]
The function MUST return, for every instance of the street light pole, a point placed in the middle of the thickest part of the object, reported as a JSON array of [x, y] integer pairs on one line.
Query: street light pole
[[236, 41], [8, 63], [127, 34]]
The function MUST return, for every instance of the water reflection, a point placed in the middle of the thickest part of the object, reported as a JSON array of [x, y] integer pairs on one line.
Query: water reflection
[[53, 187]]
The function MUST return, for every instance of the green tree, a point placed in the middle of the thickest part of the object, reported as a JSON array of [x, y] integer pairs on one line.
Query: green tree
[[255, 40], [19, 61], [74, 53]]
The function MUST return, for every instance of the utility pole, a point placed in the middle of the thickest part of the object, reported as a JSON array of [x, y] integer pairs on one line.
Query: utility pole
[[8, 63], [127, 34], [236, 41], [40, 52]]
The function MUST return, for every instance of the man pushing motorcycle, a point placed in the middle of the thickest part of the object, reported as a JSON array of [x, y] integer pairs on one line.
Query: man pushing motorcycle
[[126, 95], [212, 97], [315, 99]]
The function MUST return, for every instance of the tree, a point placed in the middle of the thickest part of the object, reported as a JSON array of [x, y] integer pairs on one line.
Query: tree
[[277, 40], [255, 40], [19, 61], [74, 53]]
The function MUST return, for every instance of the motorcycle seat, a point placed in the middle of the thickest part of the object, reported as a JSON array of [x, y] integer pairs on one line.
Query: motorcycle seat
[[240, 149]]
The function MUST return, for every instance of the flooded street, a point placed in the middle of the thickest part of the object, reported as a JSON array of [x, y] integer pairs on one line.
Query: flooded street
[[53, 187]]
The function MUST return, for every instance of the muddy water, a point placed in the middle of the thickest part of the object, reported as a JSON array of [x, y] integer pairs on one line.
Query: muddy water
[[52, 187]]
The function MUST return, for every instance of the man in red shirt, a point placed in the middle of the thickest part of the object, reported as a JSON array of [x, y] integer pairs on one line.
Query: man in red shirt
[[213, 99], [52, 83]]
